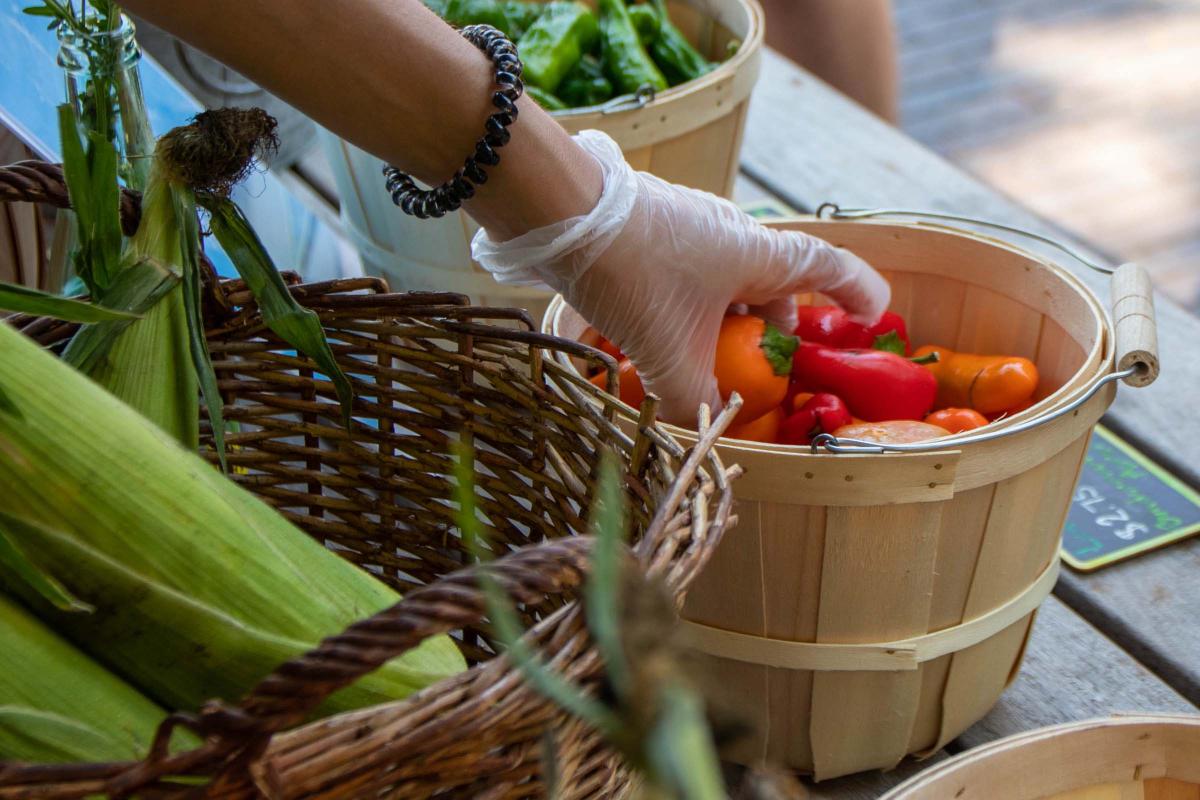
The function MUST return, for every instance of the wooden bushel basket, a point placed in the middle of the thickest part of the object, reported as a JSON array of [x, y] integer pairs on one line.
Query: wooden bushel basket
[[690, 134], [1120, 758], [874, 605]]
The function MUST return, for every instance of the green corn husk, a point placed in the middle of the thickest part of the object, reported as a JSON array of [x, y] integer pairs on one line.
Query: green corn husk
[[57, 705], [148, 364], [199, 588]]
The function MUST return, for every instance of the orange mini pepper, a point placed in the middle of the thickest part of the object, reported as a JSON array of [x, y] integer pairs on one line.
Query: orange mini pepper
[[957, 420], [1008, 412], [763, 429], [753, 359], [984, 383], [799, 399]]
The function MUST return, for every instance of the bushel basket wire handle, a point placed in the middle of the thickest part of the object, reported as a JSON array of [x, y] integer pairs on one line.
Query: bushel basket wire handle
[[1134, 325]]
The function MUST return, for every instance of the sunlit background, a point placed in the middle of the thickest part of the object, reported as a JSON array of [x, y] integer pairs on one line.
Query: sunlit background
[[1087, 111]]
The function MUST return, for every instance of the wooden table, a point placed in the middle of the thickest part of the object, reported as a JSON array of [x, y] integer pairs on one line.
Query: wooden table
[[1126, 638]]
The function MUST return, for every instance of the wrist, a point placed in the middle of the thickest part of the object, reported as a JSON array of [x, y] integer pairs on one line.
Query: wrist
[[563, 240], [543, 177]]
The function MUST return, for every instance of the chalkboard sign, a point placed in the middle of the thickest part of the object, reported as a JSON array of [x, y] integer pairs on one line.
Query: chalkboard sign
[[1124, 504]]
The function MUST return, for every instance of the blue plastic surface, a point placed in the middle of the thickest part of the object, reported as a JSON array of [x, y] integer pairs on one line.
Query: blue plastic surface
[[31, 87]]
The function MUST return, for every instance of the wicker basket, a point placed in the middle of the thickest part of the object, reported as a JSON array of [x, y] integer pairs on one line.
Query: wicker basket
[[1148, 757], [427, 371], [690, 134], [872, 606]]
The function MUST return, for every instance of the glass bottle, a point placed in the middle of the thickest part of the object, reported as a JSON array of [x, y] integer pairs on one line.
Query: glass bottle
[[105, 88]]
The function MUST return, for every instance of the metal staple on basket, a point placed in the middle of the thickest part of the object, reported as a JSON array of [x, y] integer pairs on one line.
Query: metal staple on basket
[[428, 369]]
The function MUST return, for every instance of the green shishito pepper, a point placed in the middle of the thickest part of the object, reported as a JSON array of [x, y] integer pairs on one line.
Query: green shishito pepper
[[544, 99], [585, 84], [671, 50], [646, 22], [625, 60], [512, 17], [556, 42]]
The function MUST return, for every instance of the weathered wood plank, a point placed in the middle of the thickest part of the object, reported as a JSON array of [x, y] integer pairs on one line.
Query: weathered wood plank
[[1071, 672], [1148, 604]]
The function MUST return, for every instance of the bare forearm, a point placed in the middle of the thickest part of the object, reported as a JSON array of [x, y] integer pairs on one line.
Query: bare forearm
[[394, 79]]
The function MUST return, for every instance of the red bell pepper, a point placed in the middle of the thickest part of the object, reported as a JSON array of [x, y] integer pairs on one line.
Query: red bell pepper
[[832, 326], [876, 385], [823, 413]]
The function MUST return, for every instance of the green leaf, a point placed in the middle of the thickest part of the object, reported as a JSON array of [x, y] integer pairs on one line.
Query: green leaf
[[551, 771], [681, 749], [12, 557], [604, 584], [75, 164], [189, 237], [39, 11], [30, 301], [779, 349], [136, 289], [106, 200], [90, 170], [298, 326], [505, 623], [890, 342]]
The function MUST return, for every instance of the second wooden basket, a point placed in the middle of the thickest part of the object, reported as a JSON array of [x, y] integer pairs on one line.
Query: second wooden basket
[[690, 134], [1135, 757], [873, 605]]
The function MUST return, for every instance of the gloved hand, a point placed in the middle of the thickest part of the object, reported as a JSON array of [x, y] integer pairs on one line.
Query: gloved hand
[[654, 267]]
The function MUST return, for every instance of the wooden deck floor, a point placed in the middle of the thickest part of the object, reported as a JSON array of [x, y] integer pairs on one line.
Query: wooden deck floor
[[1087, 111]]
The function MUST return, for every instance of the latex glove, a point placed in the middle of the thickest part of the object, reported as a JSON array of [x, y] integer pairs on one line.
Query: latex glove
[[654, 267]]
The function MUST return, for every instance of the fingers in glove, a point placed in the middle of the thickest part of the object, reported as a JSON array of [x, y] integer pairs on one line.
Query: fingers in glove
[[781, 313], [793, 262], [676, 362]]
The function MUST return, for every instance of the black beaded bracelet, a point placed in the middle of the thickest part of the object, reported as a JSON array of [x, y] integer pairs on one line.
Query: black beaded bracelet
[[425, 203]]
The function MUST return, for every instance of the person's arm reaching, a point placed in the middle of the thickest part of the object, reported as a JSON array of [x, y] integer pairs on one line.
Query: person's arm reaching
[[394, 79], [652, 265]]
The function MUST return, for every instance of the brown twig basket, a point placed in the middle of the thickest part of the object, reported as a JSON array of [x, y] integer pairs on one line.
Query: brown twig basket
[[427, 372]]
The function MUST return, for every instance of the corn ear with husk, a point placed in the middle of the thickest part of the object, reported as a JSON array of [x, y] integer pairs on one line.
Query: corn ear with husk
[[57, 705], [199, 589], [147, 362]]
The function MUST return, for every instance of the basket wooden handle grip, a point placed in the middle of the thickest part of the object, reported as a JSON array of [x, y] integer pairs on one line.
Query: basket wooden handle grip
[[1134, 324]]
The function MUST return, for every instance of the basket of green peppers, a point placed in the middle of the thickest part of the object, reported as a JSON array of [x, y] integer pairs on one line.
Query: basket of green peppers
[[580, 56], [586, 66]]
